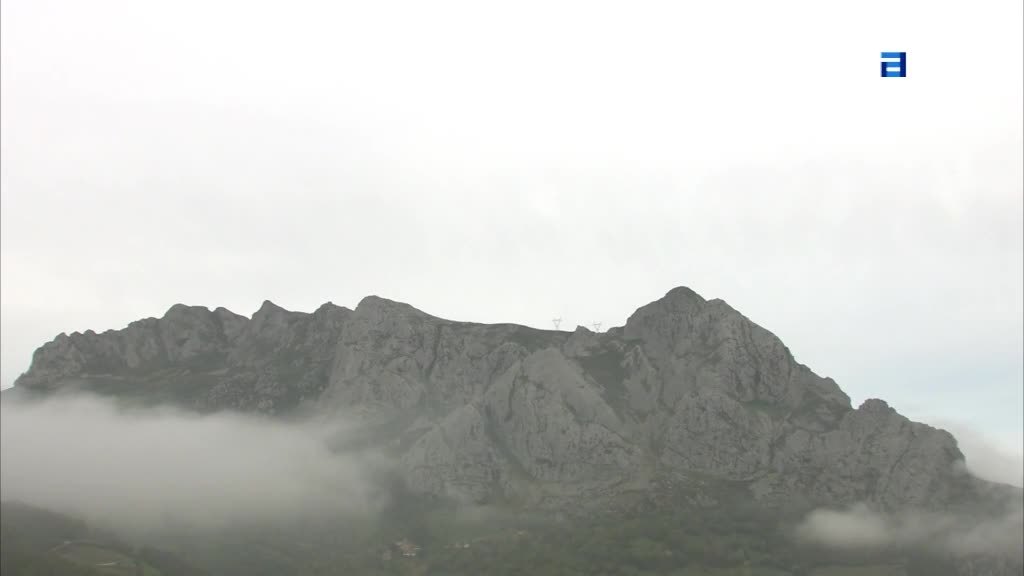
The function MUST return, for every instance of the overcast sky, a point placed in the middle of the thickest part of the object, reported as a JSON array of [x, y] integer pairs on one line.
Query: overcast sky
[[523, 161]]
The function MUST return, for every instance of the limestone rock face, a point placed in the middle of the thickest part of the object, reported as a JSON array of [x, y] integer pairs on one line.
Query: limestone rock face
[[873, 454], [455, 458], [689, 389]]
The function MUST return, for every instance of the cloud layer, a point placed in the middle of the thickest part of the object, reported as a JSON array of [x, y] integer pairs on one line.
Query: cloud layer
[[964, 534], [139, 469], [520, 162]]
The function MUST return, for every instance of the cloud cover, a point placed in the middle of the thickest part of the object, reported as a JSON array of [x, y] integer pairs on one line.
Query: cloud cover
[[963, 534], [146, 469], [522, 162], [986, 459]]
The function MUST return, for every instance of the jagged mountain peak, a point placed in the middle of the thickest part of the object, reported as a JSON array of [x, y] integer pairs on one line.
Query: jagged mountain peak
[[329, 307], [378, 305], [688, 386], [180, 310], [683, 294], [268, 308], [875, 405]]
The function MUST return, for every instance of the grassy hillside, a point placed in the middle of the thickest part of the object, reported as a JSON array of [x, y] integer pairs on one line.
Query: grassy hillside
[[429, 538], [35, 542]]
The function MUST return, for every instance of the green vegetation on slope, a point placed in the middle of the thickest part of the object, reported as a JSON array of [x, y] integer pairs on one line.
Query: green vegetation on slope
[[35, 542], [728, 539]]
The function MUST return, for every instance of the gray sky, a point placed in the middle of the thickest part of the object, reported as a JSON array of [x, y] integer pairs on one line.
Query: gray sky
[[529, 160]]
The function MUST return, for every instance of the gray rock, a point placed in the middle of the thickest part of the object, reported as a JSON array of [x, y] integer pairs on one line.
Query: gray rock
[[687, 389]]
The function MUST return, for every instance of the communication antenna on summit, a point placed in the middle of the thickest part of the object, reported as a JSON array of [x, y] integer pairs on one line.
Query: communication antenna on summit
[[557, 322], [597, 326]]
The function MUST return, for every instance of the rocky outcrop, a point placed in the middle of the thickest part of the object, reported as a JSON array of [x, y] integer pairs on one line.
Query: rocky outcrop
[[688, 389], [208, 360]]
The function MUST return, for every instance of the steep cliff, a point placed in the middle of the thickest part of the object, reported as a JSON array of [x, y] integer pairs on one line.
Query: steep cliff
[[688, 391]]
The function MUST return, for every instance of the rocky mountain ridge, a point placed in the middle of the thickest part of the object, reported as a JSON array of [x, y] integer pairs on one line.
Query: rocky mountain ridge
[[688, 390]]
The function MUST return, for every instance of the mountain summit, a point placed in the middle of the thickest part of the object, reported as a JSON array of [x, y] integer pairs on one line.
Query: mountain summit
[[687, 391]]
